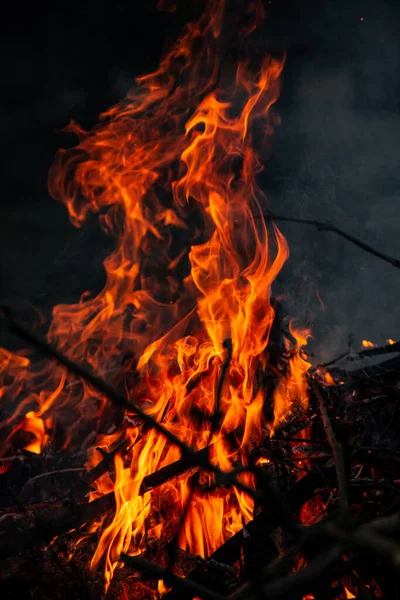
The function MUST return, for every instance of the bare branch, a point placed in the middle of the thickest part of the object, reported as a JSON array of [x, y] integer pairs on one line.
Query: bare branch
[[321, 226], [158, 572]]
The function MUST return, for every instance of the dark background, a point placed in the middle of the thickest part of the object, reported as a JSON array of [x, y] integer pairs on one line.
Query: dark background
[[336, 155]]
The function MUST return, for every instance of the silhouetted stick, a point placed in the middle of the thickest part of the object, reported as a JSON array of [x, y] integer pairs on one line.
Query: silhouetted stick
[[177, 468], [51, 523], [337, 449], [328, 565], [181, 584], [102, 467], [387, 349], [221, 380], [298, 583], [321, 226], [367, 539], [333, 361]]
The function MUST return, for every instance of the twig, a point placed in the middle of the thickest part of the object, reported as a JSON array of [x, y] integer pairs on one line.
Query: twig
[[387, 349], [333, 361], [177, 468], [298, 583], [337, 449], [103, 466], [33, 480], [367, 539], [326, 226], [158, 572]]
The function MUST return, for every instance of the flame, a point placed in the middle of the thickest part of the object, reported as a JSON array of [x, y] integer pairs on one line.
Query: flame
[[391, 342], [328, 379], [348, 593], [262, 461], [172, 170], [36, 427], [368, 344], [162, 588]]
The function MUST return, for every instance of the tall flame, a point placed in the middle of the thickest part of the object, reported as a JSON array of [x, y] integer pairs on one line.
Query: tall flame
[[172, 171]]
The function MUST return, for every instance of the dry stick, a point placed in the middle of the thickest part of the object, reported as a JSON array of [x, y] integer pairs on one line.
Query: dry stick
[[82, 590], [364, 592], [177, 468], [367, 539], [299, 582], [337, 449], [158, 572], [321, 226], [34, 480], [291, 585], [104, 465], [333, 361], [387, 349], [118, 398]]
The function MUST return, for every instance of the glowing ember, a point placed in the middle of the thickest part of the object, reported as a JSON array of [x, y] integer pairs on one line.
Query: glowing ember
[[172, 171], [313, 510]]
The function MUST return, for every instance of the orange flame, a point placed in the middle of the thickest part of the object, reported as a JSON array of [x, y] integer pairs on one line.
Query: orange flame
[[172, 170], [368, 344], [262, 461]]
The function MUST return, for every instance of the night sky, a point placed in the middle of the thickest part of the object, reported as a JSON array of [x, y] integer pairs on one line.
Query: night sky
[[335, 157]]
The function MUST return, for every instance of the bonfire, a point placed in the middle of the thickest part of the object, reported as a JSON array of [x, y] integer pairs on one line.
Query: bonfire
[[170, 436]]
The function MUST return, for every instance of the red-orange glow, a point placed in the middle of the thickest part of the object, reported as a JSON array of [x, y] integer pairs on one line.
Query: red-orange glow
[[312, 511], [348, 593], [172, 170]]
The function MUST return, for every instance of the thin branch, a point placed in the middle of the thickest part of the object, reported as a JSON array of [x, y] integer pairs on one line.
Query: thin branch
[[367, 539], [103, 466], [333, 361], [33, 480], [298, 583], [337, 449], [387, 349], [158, 572], [326, 226]]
